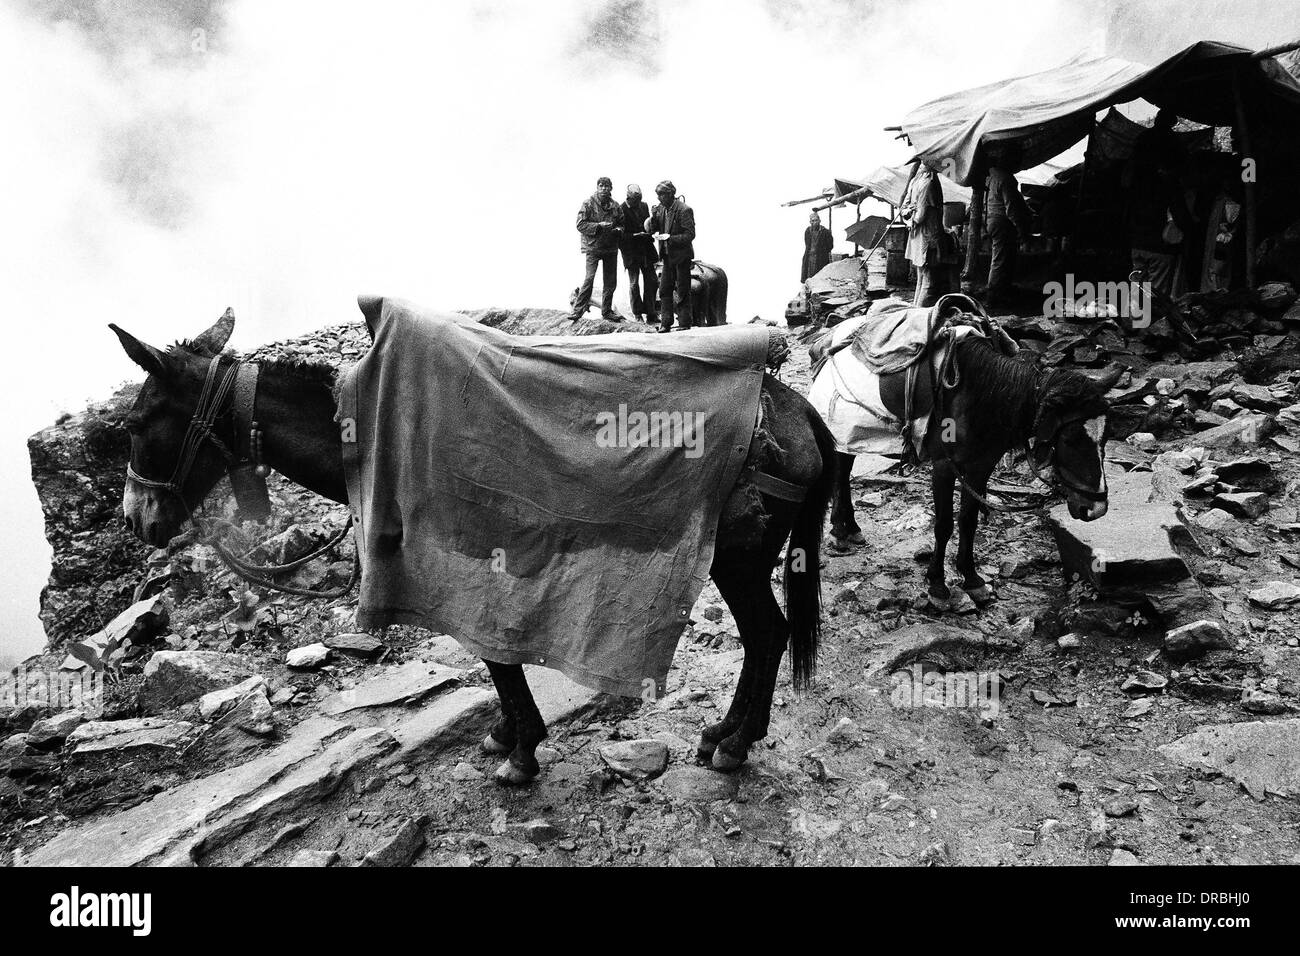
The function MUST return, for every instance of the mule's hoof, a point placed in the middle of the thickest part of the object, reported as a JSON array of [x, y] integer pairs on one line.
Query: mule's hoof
[[726, 762], [857, 538], [839, 545], [706, 748], [491, 745], [982, 595], [511, 776], [938, 603]]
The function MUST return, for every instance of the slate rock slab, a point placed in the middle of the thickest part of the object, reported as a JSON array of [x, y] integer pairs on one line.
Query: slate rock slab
[[1263, 756]]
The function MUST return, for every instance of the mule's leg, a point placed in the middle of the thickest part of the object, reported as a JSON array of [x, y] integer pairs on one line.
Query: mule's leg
[[972, 583], [844, 524], [942, 478], [517, 702], [765, 644], [728, 573], [503, 736]]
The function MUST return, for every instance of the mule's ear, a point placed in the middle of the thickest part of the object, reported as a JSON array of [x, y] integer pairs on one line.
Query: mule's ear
[[146, 356], [214, 339]]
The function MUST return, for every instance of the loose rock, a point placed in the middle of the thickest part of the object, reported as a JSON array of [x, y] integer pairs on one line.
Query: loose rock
[[635, 759]]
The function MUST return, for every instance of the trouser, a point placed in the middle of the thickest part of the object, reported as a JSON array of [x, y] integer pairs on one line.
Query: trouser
[[643, 303], [932, 282], [608, 279], [1003, 238], [1160, 268], [676, 277]]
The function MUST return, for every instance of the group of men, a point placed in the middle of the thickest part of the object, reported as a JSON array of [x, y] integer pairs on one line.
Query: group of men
[[644, 236]]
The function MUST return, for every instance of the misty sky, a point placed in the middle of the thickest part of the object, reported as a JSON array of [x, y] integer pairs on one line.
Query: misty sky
[[290, 156]]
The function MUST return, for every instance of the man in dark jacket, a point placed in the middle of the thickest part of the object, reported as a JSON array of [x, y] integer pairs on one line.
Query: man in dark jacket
[[817, 245], [672, 223], [639, 255], [600, 221]]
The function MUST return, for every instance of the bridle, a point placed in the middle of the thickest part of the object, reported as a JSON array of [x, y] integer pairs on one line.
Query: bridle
[[247, 474], [209, 409], [1056, 475]]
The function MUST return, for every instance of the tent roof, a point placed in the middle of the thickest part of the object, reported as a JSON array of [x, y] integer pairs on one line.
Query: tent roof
[[889, 183], [1044, 113]]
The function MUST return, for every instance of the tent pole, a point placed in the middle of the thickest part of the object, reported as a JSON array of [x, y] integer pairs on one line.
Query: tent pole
[[1243, 142], [975, 228]]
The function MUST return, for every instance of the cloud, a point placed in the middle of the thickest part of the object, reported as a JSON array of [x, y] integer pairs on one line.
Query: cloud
[[290, 156]]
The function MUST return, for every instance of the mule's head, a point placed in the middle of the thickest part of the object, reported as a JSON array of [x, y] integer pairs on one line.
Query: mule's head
[[158, 423], [1070, 436]]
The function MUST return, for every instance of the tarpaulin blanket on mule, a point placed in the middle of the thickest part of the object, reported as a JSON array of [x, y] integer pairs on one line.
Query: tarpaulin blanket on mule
[[846, 389], [547, 499]]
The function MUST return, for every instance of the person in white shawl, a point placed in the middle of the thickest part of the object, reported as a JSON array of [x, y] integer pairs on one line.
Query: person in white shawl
[[922, 211]]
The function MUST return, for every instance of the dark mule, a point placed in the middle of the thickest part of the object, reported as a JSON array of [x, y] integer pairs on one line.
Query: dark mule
[[295, 410], [999, 403]]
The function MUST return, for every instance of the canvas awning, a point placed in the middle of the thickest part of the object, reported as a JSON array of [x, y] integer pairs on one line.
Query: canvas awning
[[889, 182], [1044, 113]]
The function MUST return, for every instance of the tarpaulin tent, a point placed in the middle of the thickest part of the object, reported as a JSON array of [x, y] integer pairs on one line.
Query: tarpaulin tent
[[890, 182], [1217, 84], [1044, 113]]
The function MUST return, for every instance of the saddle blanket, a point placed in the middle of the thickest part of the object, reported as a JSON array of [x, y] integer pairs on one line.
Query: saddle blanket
[[546, 500], [846, 392]]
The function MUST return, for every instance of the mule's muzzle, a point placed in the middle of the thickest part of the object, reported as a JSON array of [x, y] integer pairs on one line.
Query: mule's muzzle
[[154, 517], [1082, 509]]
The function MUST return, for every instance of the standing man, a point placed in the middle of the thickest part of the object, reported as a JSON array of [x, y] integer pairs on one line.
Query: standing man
[[672, 223], [600, 220], [1007, 217], [922, 211], [639, 255], [817, 244]]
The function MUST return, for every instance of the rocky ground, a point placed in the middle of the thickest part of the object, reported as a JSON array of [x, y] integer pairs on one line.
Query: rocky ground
[[1130, 697]]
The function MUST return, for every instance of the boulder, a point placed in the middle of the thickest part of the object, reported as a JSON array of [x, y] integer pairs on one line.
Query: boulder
[[1257, 397], [399, 848], [699, 784], [1216, 520], [308, 658], [1276, 595], [636, 759], [172, 678], [355, 645], [1247, 430], [1249, 504], [51, 732], [1193, 640], [213, 705]]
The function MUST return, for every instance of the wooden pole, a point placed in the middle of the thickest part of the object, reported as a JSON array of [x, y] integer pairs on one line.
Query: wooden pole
[[1275, 50], [1243, 143], [975, 228]]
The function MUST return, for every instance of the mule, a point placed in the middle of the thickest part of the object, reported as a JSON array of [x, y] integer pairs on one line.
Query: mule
[[999, 403], [295, 411]]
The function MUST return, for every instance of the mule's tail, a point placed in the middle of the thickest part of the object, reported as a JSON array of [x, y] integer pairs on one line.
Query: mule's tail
[[803, 562]]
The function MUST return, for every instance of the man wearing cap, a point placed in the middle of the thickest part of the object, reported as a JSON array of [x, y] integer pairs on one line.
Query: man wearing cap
[[672, 223], [600, 221], [639, 255]]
